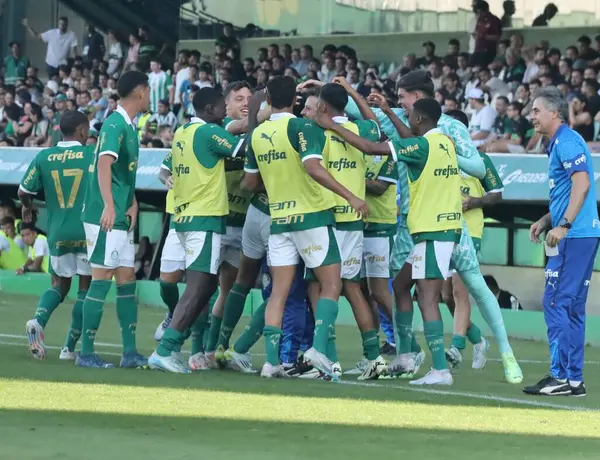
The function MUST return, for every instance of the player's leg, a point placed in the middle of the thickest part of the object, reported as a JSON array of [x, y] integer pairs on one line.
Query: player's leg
[[84, 270], [430, 266], [198, 332], [324, 259], [239, 354], [49, 301], [202, 254]]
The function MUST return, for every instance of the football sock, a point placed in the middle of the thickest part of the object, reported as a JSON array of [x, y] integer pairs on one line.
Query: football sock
[[49, 301], [74, 332], [93, 308]]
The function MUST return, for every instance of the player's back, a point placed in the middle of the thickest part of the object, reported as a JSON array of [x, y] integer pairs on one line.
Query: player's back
[[280, 146], [62, 173]]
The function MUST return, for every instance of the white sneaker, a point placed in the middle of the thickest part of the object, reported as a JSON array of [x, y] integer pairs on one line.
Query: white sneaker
[[435, 377], [374, 369], [337, 370], [403, 364], [359, 368], [419, 360], [160, 329], [240, 362], [211, 362], [454, 357], [479, 351], [167, 364], [198, 362], [66, 355], [272, 372], [321, 362], [314, 373], [35, 337]]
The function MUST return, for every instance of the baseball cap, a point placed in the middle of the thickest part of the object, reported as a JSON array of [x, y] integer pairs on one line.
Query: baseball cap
[[475, 93], [61, 98]]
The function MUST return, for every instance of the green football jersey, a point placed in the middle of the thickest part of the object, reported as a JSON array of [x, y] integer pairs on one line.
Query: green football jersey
[[118, 138], [61, 173]]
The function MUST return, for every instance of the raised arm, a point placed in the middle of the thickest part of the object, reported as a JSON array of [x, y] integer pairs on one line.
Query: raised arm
[[361, 103], [382, 103]]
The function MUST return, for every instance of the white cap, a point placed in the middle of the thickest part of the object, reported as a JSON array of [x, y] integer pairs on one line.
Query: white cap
[[475, 93], [52, 85]]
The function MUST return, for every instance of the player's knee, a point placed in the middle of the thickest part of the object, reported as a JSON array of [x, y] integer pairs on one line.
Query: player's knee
[[331, 289]]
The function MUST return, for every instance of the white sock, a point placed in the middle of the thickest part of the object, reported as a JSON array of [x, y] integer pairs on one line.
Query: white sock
[[574, 383], [561, 380]]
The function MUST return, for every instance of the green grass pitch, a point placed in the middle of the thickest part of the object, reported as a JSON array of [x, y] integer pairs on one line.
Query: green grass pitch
[[52, 410]]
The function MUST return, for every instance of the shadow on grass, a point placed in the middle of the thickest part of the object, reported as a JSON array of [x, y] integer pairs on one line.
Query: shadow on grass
[[31, 434]]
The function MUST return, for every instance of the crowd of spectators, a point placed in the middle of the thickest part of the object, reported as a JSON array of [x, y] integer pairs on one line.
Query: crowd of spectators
[[494, 81]]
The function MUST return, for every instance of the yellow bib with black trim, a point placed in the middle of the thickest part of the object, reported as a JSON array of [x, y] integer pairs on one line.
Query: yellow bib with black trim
[[197, 190], [290, 189], [347, 165], [435, 201], [239, 200], [471, 186], [382, 209]]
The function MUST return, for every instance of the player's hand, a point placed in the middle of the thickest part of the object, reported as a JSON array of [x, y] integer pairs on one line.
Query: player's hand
[[307, 83], [27, 214], [359, 206], [380, 101], [132, 213], [467, 203], [554, 236], [256, 101], [323, 120], [25, 22], [342, 82], [536, 229], [20, 271], [169, 183], [107, 219]]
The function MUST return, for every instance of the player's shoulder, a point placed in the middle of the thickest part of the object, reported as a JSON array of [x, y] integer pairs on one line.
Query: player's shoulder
[[114, 121], [302, 123]]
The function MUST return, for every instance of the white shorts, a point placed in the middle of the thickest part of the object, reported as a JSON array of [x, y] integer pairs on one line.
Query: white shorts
[[315, 246], [69, 265], [255, 234], [109, 249], [202, 250], [231, 245], [172, 258], [350, 244], [376, 257], [431, 260]]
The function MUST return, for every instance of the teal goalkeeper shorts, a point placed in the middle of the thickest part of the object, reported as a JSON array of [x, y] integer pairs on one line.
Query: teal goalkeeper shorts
[[464, 256]]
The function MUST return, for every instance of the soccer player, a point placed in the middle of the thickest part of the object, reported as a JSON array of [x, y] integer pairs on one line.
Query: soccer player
[[434, 218], [61, 173], [477, 194], [12, 248], [573, 232], [412, 87], [109, 216], [347, 165], [201, 207]]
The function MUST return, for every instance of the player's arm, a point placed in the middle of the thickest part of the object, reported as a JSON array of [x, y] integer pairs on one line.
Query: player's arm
[[237, 127], [575, 164], [361, 103], [252, 181], [382, 103], [377, 187], [30, 185], [491, 183], [388, 175], [467, 155], [364, 145], [108, 150], [165, 175]]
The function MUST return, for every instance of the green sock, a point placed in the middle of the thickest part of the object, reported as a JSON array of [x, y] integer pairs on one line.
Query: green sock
[[370, 341], [331, 348], [404, 321], [172, 341], [76, 322], [49, 302], [325, 316], [169, 293], [93, 307], [272, 338], [232, 312], [434, 334], [198, 329], [414, 345], [459, 341], [210, 343], [128, 315], [474, 334], [252, 331]]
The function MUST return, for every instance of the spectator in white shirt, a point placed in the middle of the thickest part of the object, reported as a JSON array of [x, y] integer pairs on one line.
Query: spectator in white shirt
[[183, 74], [327, 72], [164, 117], [61, 43], [533, 65], [435, 70], [115, 54], [38, 249], [491, 84], [482, 120]]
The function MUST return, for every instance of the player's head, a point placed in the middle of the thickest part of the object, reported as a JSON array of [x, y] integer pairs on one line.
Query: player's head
[[7, 225], [424, 116], [550, 110], [133, 89], [413, 86], [459, 115], [209, 105], [333, 99], [75, 126], [281, 93], [310, 107], [29, 233], [8, 208], [237, 95]]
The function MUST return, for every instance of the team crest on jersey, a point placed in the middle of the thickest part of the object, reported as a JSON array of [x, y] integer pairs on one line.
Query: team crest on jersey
[[377, 159], [114, 255]]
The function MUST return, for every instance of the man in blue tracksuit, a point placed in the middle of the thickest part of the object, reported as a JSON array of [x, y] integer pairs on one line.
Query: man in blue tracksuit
[[571, 244]]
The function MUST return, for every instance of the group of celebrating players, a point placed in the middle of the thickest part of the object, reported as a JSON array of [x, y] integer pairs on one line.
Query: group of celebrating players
[[310, 201]]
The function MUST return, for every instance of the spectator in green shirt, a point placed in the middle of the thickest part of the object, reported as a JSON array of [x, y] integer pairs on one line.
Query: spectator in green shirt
[[15, 65]]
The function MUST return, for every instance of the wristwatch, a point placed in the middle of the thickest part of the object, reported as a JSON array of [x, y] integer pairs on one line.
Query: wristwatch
[[564, 223]]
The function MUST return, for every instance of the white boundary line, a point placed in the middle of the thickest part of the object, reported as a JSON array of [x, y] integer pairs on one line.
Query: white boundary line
[[24, 337], [15, 344]]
